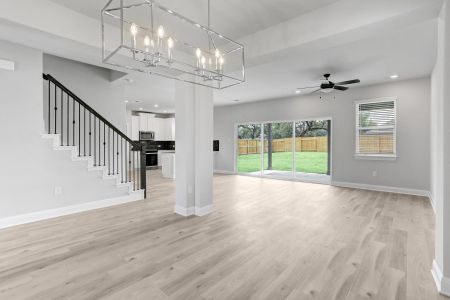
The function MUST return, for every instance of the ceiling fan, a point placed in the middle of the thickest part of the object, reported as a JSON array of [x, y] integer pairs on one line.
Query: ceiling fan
[[328, 86]]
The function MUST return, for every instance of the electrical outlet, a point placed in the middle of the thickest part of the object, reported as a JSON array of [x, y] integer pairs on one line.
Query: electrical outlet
[[374, 173], [58, 190]]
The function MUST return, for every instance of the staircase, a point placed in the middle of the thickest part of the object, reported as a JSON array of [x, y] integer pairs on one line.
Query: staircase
[[75, 127]]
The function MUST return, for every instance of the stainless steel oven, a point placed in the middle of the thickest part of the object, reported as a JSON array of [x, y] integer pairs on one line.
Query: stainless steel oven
[[151, 159], [146, 135]]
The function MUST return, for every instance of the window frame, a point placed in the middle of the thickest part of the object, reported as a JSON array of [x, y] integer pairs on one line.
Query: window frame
[[375, 156]]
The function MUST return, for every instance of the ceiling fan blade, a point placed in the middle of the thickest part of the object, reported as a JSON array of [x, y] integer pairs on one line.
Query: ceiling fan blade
[[316, 91], [349, 82], [308, 87], [340, 88]]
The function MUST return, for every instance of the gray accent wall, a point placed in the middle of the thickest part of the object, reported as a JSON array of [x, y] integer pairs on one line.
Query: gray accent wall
[[411, 170]]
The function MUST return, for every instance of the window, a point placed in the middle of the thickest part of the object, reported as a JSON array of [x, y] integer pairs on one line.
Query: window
[[376, 128]]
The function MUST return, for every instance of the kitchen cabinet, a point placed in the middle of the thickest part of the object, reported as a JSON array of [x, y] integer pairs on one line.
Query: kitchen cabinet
[[143, 120], [164, 128], [157, 128], [168, 165], [135, 128], [170, 129]]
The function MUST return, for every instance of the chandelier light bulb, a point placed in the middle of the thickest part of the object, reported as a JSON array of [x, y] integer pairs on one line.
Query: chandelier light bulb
[[170, 43], [221, 62], [161, 32], [133, 29], [147, 41], [198, 53], [217, 55], [169, 49], [203, 61]]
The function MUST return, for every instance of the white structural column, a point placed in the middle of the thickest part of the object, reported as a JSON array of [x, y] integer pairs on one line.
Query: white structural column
[[194, 155], [440, 151]]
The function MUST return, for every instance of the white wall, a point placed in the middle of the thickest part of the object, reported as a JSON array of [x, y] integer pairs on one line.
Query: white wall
[[440, 152], [410, 170], [93, 85], [30, 168]]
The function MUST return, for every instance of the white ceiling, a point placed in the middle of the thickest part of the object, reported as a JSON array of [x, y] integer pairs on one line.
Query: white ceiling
[[409, 52], [369, 40], [232, 18]]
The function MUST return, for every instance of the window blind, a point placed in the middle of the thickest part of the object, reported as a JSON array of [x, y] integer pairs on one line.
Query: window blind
[[375, 127]]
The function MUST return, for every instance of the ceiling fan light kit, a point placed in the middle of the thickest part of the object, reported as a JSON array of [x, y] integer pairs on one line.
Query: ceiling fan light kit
[[147, 37]]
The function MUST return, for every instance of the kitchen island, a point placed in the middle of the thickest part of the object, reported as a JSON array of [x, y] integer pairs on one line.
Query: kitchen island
[[167, 159]]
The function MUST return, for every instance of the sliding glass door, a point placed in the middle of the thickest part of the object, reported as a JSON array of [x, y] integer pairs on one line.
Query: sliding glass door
[[312, 147], [249, 149], [278, 149], [294, 149]]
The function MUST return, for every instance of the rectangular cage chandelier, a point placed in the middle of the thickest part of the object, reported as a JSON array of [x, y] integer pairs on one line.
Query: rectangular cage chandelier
[[144, 36]]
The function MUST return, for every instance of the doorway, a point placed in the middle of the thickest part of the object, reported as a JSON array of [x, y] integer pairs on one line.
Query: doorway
[[286, 149]]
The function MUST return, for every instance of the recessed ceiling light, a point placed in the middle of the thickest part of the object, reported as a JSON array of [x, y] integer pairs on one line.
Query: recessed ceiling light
[[165, 111], [394, 76], [156, 105], [126, 101], [140, 108], [298, 91]]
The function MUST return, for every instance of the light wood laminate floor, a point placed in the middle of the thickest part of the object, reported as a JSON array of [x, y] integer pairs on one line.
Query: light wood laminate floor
[[267, 239]]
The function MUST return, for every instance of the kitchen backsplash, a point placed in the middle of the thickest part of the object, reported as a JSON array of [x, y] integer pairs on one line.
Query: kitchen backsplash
[[165, 145]]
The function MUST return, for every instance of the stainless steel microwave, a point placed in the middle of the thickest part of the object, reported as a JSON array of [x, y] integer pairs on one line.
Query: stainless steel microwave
[[146, 135]]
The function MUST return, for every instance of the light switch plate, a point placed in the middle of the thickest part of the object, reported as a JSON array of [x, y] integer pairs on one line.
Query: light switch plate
[[7, 65], [58, 190]]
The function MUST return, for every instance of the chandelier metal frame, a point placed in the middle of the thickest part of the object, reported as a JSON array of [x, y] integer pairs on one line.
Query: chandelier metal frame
[[189, 66]]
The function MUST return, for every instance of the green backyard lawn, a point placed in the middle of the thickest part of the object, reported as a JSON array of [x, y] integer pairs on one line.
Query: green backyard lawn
[[307, 162]]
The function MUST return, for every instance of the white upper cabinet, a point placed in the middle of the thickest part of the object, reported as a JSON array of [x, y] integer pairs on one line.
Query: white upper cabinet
[[169, 129], [143, 120], [135, 128], [150, 122], [164, 128], [158, 128]]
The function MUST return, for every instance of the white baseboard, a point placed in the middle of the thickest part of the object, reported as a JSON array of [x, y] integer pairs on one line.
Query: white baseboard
[[184, 211], [442, 283], [225, 172], [361, 186], [190, 211], [433, 204], [68, 210], [203, 211], [381, 188]]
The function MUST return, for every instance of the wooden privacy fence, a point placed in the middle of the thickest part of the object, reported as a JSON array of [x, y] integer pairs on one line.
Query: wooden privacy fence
[[376, 143], [302, 144], [367, 144]]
